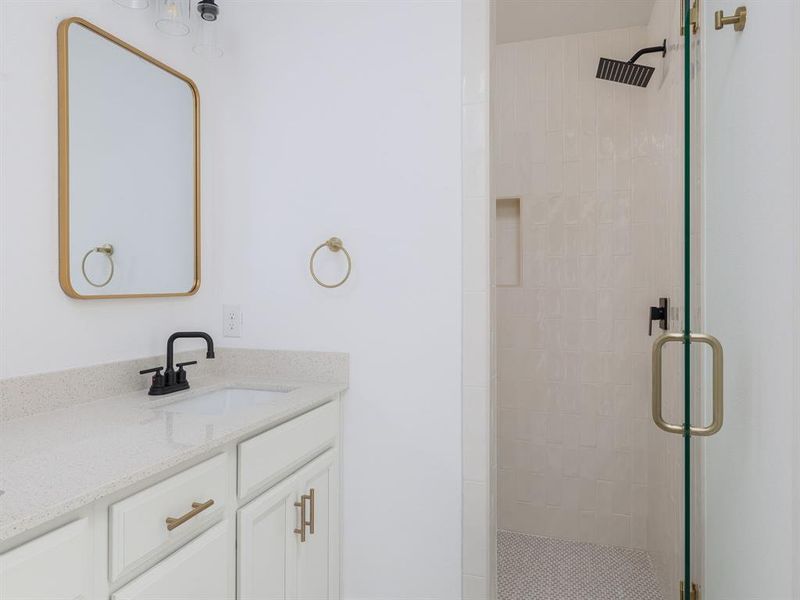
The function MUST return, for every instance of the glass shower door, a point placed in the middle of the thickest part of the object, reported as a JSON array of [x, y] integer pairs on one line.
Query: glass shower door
[[685, 420], [738, 223], [687, 365]]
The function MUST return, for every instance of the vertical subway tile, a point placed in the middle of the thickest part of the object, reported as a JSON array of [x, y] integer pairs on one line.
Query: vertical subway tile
[[573, 363], [475, 152], [475, 433], [555, 82], [475, 505], [475, 588]]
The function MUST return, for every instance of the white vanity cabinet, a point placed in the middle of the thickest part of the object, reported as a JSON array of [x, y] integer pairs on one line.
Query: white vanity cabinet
[[267, 548], [318, 556], [200, 571], [137, 528], [55, 566], [223, 528], [288, 537]]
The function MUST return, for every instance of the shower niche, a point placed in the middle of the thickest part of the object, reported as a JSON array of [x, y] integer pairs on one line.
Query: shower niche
[[508, 239]]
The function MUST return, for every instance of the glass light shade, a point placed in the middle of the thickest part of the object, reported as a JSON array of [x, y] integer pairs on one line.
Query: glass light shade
[[206, 44], [173, 17], [138, 4]]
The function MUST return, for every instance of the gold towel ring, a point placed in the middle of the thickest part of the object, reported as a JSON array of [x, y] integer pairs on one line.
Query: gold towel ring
[[334, 245], [107, 250]]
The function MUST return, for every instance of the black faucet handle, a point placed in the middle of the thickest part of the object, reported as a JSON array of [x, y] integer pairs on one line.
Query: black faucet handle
[[180, 375], [158, 379]]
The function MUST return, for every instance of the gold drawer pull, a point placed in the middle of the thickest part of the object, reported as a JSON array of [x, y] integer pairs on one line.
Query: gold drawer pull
[[304, 522], [197, 508], [301, 504], [311, 503]]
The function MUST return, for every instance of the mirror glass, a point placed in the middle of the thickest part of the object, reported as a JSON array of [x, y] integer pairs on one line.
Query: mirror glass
[[129, 170]]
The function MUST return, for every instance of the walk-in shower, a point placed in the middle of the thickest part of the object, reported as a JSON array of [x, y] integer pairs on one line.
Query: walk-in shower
[[617, 205]]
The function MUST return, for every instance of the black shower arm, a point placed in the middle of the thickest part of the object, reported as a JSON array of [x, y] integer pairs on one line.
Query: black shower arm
[[662, 48]]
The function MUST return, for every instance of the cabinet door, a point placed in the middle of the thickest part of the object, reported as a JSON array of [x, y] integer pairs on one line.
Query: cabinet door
[[267, 550], [318, 556], [200, 571], [52, 567]]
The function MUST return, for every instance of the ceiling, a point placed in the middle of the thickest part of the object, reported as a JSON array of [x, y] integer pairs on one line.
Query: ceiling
[[519, 20]]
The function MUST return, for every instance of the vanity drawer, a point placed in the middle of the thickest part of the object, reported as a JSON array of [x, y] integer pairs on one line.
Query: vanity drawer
[[201, 570], [55, 566], [138, 525], [274, 454]]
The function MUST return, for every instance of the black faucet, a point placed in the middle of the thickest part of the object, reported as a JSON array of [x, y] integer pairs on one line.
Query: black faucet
[[172, 380]]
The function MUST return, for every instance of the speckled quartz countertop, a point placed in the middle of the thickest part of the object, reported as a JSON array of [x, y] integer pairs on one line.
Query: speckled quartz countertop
[[59, 461]]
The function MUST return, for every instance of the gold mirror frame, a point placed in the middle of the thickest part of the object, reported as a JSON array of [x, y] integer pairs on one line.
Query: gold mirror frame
[[63, 160]]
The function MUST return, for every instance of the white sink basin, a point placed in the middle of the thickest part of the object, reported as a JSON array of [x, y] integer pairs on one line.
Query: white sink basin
[[225, 402]]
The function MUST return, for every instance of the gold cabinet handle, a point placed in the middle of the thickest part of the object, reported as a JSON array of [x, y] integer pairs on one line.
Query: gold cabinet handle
[[301, 504], [311, 498], [305, 522], [738, 19], [717, 382], [197, 508]]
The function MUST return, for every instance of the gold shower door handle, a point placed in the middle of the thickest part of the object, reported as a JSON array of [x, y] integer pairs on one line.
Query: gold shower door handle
[[717, 379]]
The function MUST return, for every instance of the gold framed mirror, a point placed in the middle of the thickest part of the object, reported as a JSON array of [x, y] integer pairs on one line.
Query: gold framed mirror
[[129, 170]]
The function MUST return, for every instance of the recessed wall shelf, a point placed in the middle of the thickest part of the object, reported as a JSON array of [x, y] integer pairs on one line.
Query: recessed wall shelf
[[508, 254]]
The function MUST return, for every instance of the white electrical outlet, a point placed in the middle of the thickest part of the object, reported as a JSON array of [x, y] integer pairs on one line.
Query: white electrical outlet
[[232, 320]]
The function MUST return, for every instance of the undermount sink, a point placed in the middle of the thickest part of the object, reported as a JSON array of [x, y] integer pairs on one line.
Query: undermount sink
[[225, 402]]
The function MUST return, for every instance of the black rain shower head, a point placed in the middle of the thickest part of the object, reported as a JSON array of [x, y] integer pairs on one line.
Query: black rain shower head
[[629, 72]]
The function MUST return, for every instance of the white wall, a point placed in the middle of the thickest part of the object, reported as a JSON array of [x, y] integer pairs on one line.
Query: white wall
[[41, 329], [752, 270], [322, 119], [343, 119]]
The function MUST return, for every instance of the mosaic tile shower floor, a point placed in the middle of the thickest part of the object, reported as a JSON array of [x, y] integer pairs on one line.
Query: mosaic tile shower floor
[[538, 568]]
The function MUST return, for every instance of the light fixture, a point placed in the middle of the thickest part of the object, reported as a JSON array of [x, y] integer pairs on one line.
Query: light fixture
[[138, 4], [173, 17], [206, 44], [208, 9]]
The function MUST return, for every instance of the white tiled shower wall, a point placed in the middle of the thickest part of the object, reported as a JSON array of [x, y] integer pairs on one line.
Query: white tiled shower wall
[[572, 338], [597, 169]]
